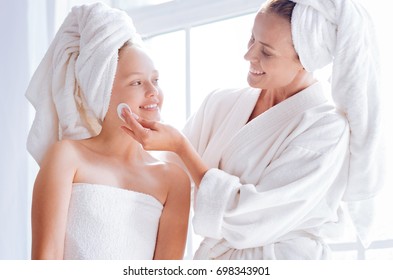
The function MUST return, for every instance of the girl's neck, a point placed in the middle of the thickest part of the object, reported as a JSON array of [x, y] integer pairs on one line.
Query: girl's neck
[[114, 142]]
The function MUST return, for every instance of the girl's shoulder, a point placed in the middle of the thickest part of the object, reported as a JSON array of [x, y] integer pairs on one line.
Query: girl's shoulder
[[79, 149], [174, 177], [62, 150], [171, 171]]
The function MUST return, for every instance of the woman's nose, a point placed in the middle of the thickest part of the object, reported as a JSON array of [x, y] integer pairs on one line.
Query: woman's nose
[[250, 55]]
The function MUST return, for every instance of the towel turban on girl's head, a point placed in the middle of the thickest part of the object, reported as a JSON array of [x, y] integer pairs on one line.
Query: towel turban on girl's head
[[71, 87]]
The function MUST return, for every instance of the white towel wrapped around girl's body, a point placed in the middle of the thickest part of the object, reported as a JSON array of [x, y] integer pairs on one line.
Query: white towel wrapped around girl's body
[[106, 222]]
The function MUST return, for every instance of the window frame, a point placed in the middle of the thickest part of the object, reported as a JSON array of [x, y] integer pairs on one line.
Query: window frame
[[181, 14]]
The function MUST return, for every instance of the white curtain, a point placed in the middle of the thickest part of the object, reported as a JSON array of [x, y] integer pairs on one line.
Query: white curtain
[[24, 32], [14, 76], [26, 27]]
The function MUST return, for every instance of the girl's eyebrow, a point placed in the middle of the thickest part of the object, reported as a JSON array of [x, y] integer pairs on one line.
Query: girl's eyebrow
[[134, 73], [140, 73]]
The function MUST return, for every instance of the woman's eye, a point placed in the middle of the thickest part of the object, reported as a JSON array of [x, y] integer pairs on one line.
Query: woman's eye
[[155, 81], [266, 54]]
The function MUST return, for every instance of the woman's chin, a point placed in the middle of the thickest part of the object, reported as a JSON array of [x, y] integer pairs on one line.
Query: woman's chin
[[253, 82]]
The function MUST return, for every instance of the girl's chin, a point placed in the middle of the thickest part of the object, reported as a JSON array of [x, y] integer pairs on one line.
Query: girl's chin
[[151, 116]]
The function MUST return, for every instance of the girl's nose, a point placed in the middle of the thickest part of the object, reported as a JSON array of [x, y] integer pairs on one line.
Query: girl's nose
[[151, 91]]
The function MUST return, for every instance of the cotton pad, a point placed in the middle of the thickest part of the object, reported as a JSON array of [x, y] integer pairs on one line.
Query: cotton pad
[[120, 109]]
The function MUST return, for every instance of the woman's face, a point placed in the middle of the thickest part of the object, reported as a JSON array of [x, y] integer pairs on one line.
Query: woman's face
[[136, 84], [273, 60]]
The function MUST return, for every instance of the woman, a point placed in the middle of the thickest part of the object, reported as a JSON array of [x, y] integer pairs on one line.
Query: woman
[[104, 197], [271, 163]]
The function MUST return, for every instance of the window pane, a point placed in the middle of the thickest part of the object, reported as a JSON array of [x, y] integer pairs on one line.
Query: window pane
[[168, 52], [217, 51], [380, 254], [129, 5], [345, 255]]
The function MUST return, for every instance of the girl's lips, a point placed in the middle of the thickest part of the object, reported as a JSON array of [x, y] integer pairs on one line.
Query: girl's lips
[[150, 106]]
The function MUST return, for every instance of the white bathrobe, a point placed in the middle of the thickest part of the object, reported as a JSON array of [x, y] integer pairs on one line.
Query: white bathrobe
[[276, 182]]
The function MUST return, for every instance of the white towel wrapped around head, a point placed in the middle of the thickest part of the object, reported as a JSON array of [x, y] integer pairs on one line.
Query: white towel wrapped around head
[[71, 87], [341, 31]]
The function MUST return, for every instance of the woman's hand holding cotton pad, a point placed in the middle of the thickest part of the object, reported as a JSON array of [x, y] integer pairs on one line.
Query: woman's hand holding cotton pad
[[120, 110]]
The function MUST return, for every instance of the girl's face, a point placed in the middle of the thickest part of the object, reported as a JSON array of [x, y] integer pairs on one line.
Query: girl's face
[[273, 59], [136, 84]]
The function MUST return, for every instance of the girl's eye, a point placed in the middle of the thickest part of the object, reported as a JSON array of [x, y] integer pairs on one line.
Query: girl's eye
[[136, 83], [155, 81]]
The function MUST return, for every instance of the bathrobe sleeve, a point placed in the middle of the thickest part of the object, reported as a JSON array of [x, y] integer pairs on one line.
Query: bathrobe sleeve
[[287, 194]]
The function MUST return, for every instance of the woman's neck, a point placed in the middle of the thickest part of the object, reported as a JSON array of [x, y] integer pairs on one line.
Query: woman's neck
[[271, 97]]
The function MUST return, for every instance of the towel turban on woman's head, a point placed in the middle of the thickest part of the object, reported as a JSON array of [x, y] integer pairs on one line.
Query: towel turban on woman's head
[[341, 31], [71, 87]]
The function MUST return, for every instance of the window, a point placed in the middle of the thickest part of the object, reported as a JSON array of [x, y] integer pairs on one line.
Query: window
[[212, 64], [169, 54], [216, 52]]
